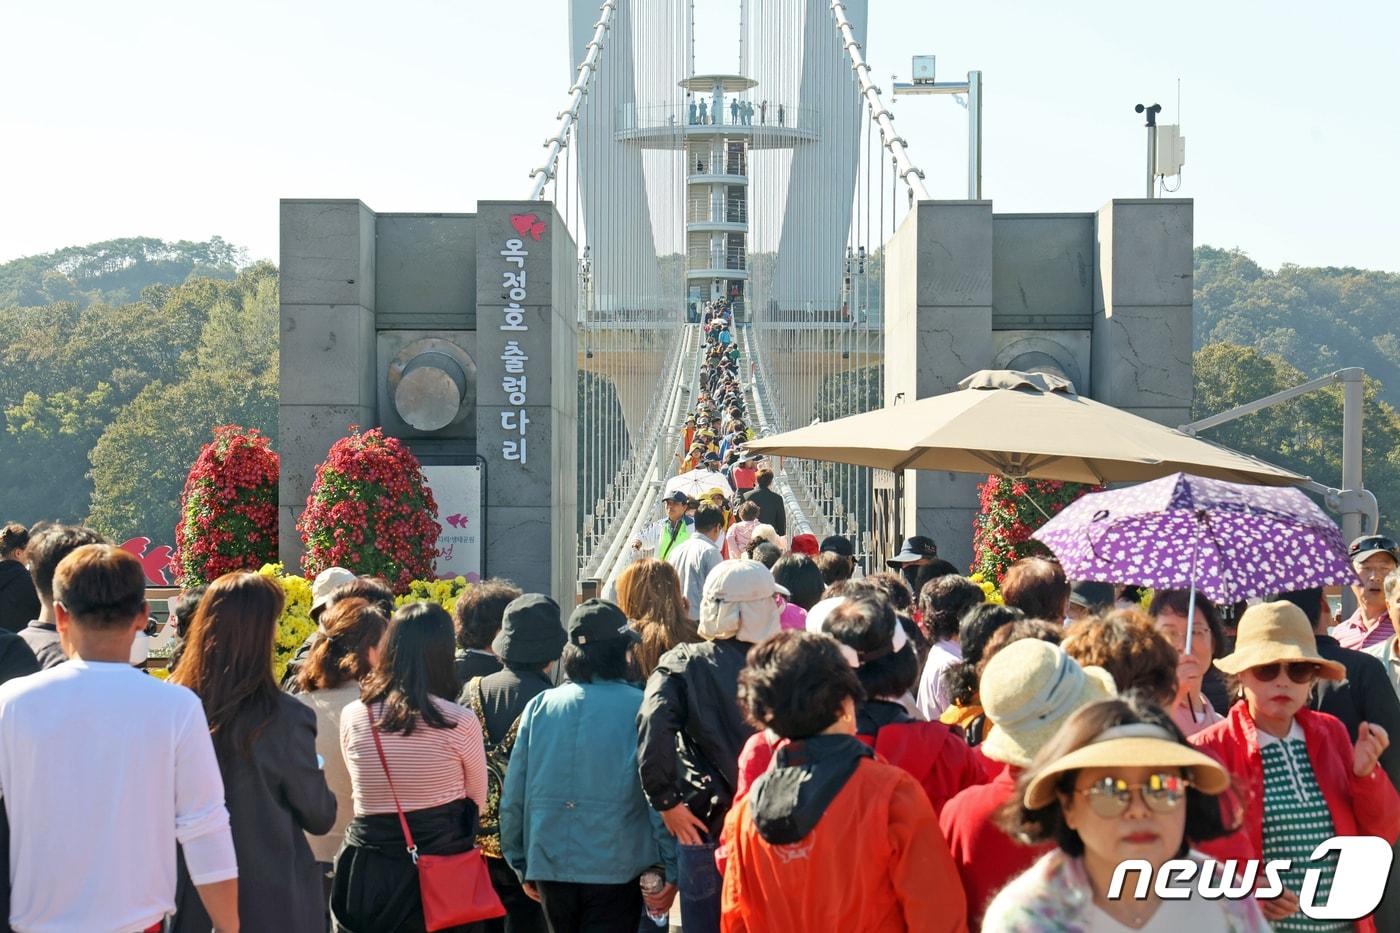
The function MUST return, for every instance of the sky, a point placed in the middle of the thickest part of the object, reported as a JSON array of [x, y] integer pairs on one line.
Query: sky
[[185, 120]]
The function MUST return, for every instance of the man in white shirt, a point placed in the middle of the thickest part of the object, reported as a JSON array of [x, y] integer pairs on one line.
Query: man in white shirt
[[697, 555], [103, 769]]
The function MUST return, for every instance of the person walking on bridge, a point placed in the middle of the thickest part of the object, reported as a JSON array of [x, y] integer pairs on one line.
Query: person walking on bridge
[[691, 729], [696, 556], [771, 510], [666, 534]]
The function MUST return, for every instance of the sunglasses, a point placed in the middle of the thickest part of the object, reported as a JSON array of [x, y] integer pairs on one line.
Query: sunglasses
[[1374, 543], [1110, 797], [1300, 672]]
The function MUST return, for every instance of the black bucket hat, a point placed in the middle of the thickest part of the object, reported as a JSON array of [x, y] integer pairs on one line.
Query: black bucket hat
[[532, 631]]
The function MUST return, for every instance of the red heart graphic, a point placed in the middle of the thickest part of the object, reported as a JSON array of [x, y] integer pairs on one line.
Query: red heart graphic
[[523, 222], [537, 230]]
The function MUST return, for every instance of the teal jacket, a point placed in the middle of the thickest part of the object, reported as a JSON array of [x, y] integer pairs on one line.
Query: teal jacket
[[572, 808]]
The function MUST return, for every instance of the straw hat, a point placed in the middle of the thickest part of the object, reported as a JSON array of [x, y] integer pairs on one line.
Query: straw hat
[[1134, 745], [1028, 689], [1272, 632]]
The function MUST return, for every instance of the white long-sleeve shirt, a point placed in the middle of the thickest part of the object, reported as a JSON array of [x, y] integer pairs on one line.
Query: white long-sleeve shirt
[[102, 770]]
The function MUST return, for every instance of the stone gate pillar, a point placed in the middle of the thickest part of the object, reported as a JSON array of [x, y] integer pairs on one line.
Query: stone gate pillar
[[527, 393], [938, 329]]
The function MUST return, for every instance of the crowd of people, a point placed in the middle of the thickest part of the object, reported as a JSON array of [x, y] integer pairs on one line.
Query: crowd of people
[[750, 731]]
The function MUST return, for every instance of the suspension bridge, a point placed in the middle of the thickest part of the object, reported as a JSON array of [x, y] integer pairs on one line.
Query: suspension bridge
[[778, 187], [770, 188]]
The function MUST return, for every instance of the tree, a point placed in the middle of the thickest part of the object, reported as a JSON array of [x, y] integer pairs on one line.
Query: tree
[[1317, 319], [140, 463], [230, 376], [114, 271]]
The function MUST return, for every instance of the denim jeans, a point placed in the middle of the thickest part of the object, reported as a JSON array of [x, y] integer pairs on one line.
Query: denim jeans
[[699, 888]]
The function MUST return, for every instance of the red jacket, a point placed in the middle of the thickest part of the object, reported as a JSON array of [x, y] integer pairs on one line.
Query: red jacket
[[930, 752], [876, 862], [986, 857], [1366, 806]]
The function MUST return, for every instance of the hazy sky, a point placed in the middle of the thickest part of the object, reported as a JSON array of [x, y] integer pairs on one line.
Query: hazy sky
[[183, 120]]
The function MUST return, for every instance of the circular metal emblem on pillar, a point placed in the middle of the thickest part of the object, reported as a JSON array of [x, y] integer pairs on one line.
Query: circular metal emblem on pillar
[[432, 383]]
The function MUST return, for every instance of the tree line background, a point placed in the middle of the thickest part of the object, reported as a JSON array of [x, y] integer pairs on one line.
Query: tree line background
[[117, 359]]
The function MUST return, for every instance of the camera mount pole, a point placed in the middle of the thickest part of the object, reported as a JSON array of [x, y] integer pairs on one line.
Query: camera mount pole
[[1151, 112]]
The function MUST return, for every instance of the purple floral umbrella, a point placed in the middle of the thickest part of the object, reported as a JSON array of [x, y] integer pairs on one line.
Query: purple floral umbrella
[[1183, 532]]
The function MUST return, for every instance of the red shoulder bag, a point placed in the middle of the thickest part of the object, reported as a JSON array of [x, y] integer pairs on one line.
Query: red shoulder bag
[[456, 889]]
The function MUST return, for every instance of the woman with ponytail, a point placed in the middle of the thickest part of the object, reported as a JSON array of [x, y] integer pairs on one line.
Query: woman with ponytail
[[330, 679]]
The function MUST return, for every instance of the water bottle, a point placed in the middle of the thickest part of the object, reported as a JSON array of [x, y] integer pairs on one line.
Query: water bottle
[[652, 882]]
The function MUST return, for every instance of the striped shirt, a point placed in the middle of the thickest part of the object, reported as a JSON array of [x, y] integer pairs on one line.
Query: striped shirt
[[1296, 821], [1359, 633], [430, 767]]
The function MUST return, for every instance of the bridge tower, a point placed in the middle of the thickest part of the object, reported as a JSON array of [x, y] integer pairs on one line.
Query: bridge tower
[[717, 179]]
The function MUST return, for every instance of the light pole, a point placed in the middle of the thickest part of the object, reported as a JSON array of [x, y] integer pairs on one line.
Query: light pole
[[924, 83]]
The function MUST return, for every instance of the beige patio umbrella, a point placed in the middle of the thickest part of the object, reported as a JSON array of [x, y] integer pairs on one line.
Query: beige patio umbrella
[[1022, 425]]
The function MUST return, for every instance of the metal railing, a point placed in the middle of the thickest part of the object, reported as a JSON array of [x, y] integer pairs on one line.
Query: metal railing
[[775, 117], [639, 505]]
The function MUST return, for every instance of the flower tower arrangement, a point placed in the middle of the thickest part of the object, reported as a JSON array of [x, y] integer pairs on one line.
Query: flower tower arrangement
[[1010, 510], [371, 512], [228, 510]]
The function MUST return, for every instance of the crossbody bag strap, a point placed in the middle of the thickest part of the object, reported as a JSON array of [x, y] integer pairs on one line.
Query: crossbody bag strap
[[403, 820]]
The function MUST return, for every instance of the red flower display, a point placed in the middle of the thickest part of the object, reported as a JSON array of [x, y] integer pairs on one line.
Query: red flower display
[[228, 510], [371, 512], [1010, 510]]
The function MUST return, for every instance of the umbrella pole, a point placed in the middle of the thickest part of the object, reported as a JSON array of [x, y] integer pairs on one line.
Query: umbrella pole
[[1191, 600]]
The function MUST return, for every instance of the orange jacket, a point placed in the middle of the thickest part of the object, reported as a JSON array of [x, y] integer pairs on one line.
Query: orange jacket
[[875, 862]]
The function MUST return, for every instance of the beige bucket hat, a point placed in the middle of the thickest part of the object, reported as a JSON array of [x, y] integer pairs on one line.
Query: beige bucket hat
[[1276, 631], [1028, 689]]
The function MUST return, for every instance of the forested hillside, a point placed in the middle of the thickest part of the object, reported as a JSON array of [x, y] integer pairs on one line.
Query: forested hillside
[[113, 272], [107, 394], [1317, 319], [1260, 331]]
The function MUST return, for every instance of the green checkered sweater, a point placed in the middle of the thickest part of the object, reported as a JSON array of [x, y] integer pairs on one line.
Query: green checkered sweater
[[1296, 821]]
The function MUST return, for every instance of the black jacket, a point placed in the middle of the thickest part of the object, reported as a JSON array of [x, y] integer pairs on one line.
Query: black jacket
[[690, 730], [1365, 696], [504, 696], [771, 510], [19, 601], [274, 797], [16, 660], [291, 677], [468, 664]]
